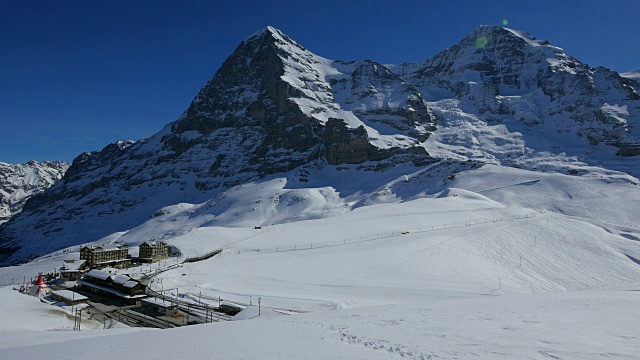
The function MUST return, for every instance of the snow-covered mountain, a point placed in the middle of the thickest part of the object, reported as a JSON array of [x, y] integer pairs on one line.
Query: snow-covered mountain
[[634, 74], [280, 134], [546, 100], [19, 182]]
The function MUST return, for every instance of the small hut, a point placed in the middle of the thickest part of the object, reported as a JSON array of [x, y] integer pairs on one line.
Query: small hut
[[72, 270], [69, 297]]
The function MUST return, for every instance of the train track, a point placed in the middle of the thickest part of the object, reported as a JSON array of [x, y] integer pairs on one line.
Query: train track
[[206, 314], [133, 318], [202, 312], [280, 310]]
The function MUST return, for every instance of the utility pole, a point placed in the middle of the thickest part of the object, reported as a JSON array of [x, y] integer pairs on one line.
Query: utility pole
[[259, 300], [79, 319]]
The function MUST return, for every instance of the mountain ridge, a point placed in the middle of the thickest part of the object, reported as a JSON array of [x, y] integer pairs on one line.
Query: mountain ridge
[[276, 110]]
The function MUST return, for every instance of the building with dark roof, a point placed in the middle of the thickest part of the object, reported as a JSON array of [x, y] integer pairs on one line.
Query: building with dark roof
[[71, 270], [153, 251], [69, 297], [121, 286], [98, 256]]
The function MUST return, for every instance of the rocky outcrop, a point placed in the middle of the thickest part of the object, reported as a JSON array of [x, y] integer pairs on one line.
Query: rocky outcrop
[[20, 182], [344, 145]]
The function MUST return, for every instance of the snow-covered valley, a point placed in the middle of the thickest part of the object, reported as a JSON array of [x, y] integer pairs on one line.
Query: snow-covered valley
[[519, 265]]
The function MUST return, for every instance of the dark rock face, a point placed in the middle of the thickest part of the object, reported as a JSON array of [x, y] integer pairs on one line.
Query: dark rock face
[[371, 93], [348, 146], [248, 97], [250, 120]]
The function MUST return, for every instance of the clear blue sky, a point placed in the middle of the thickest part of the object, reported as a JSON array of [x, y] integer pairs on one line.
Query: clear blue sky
[[77, 75]]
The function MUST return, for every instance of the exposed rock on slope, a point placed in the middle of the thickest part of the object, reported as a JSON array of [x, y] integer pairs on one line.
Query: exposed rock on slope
[[19, 182], [270, 108], [275, 110]]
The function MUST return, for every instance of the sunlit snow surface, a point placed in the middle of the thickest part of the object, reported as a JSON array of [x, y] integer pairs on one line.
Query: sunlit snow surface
[[500, 263], [578, 325]]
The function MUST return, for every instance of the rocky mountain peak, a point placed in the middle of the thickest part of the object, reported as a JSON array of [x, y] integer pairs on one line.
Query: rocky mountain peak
[[284, 95], [271, 34], [495, 57], [487, 36], [507, 75]]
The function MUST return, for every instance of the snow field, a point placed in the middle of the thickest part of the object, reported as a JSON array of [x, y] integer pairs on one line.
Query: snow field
[[544, 252], [530, 285], [575, 325]]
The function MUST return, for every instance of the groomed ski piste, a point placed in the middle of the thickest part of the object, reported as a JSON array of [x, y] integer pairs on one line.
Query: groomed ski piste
[[500, 263]]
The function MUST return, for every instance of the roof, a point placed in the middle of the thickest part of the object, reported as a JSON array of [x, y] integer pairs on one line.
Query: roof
[[130, 284], [40, 281], [98, 274], [232, 305], [69, 295], [114, 246], [120, 279], [110, 290], [73, 265], [107, 247], [154, 243]]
